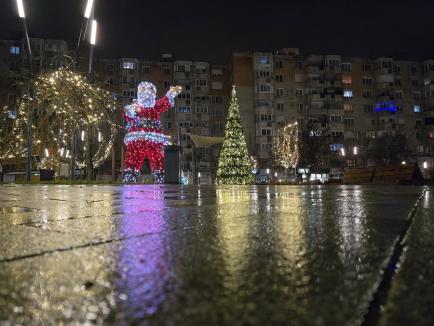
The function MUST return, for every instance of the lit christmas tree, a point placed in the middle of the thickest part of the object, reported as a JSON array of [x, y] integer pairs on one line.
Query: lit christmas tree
[[285, 146], [234, 164]]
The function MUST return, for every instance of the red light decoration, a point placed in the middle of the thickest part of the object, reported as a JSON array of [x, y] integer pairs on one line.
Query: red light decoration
[[145, 138]]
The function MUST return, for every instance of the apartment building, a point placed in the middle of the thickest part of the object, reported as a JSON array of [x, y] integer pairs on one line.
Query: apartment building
[[345, 100]]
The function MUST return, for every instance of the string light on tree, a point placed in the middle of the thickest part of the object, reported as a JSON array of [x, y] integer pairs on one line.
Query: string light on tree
[[286, 146], [234, 165], [63, 100]]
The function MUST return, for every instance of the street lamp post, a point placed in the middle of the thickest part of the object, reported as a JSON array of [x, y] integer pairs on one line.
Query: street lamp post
[[22, 15], [83, 29], [89, 146]]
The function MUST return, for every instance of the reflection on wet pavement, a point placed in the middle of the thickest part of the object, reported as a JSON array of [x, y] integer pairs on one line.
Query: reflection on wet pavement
[[195, 256]]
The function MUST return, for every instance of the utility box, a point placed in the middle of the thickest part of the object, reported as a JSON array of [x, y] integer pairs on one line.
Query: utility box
[[171, 164]]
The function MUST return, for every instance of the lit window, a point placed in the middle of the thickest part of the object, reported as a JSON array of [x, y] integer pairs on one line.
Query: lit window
[[348, 93], [128, 65], [184, 109], [14, 50], [263, 60], [416, 109], [348, 107], [347, 80]]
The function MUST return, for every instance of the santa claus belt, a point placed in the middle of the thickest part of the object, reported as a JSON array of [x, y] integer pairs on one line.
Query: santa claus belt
[[149, 136]]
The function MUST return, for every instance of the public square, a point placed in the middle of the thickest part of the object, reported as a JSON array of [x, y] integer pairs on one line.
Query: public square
[[224, 255]]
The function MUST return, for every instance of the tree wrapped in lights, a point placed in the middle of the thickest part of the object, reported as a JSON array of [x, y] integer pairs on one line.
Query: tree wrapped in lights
[[11, 144], [64, 102], [234, 165], [286, 146]]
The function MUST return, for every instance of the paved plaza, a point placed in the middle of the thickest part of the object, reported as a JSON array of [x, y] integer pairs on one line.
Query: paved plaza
[[241, 255]]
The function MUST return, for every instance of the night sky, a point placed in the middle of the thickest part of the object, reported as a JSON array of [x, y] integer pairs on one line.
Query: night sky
[[211, 30]]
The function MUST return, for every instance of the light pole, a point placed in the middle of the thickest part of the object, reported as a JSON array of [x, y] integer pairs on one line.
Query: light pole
[[83, 29], [89, 147], [22, 15]]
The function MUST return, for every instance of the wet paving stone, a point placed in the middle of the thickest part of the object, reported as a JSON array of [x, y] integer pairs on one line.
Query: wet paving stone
[[411, 298], [173, 255]]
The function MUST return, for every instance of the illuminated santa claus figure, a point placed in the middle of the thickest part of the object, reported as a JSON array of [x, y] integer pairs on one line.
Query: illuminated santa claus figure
[[145, 138]]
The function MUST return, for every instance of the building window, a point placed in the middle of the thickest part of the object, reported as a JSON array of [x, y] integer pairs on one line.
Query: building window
[[128, 65], [346, 66], [385, 64], [368, 108], [14, 50], [397, 69], [347, 80], [167, 70], [279, 64], [264, 60], [349, 121], [280, 106], [279, 78], [413, 69], [367, 81], [348, 107], [263, 88], [266, 132], [367, 94], [416, 95], [201, 82], [415, 83], [397, 82], [146, 69], [109, 67], [348, 93], [300, 106], [416, 109], [263, 74], [180, 68], [166, 84], [184, 109], [398, 95], [299, 92], [366, 67], [335, 118], [216, 99], [202, 109], [280, 92], [264, 117], [332, 63]]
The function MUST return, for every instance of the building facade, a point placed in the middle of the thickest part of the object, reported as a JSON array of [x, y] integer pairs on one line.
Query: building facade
[[345, 101]]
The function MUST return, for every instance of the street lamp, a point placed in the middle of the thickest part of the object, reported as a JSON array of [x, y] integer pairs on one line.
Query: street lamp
[[88, 9], [83, 29], [92, 45], [355, 150], [22, 15]]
